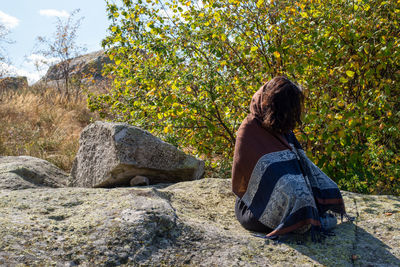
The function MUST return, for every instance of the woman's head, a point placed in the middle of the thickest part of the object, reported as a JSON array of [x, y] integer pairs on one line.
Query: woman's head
[[281, 104]]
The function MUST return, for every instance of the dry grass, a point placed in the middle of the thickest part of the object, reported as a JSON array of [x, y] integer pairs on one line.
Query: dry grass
[[42, 124]]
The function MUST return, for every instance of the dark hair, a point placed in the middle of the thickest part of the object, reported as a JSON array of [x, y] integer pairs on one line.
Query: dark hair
[[282, 105]]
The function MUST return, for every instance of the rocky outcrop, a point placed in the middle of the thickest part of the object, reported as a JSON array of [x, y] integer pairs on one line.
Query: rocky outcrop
[[112, 154], [29, 172], [85, 71], [184, 224], [13, 83], [85, 66]]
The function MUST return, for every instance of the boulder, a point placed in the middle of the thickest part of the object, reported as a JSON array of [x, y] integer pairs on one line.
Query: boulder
[[86, 68], [13, 83], [139, 180], [111, 154], [183, 224], [29, 172]]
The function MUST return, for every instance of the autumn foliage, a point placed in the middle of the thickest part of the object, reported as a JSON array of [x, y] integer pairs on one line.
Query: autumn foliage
[[186, 71]]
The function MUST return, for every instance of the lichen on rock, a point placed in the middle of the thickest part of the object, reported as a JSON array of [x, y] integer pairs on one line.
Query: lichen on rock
[[184, 224], [112, 154]]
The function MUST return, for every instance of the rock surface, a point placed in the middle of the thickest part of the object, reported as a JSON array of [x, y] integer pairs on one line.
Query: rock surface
[[13, 83], [29, 172], [139, 180], [111, 154], [184, 224], [90, 64]]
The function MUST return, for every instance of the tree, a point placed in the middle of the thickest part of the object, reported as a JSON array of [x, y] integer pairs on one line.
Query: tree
[[62, 45], [186, 70], [4, 62]]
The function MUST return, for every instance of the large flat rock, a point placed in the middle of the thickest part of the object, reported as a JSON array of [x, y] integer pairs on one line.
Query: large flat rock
[[29, 172], [184, 224], [111, 154]]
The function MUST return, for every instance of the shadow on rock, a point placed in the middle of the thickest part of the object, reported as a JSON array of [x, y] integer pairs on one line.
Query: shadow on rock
[[351, 246]]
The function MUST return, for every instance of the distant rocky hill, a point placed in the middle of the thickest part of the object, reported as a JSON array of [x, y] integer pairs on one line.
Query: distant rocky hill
[[86, 68], [13, 83]]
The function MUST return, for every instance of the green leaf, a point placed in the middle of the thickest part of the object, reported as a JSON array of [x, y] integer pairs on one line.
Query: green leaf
[[201, 74], [350, 73]]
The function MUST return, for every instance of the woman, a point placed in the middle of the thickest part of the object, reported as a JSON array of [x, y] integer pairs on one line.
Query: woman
[[279, 190]]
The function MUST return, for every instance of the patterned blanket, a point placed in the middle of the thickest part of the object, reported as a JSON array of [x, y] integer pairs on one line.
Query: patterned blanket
[[288, 192]]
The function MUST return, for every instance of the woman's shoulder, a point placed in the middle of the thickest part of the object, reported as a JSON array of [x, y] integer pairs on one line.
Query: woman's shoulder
[[251, 126], [291, 138]]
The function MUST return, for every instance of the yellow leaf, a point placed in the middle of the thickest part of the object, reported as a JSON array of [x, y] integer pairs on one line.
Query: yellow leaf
[[254, 48], [223, 37], [217, 17], [350, 73], [338, 117], [276, 54]]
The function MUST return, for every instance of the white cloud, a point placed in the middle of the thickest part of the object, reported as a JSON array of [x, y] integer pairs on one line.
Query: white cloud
[[33, 68], [8, 21], [41, 61], [53, 13], [11, 70]]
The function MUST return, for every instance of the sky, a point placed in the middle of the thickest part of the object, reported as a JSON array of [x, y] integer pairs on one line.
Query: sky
[[28, 19]]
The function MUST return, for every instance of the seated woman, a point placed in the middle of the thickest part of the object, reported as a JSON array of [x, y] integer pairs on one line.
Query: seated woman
[[278, 189]]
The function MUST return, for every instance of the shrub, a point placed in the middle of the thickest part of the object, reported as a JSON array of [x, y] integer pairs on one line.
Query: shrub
[[186, 70]]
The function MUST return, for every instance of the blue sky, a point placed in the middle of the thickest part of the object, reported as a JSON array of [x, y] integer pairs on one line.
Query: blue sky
[[28, 19]]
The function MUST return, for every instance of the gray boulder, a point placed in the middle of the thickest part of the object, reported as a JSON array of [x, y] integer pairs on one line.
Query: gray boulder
[[29, 172], [111, 154], [85, 70], [13, 83], [90, 64]]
